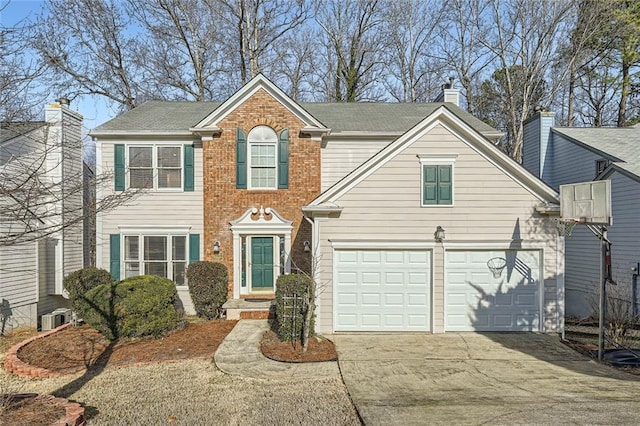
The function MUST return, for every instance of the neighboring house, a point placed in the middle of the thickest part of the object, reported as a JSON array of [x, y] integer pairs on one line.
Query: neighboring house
[[562, 155], [43, 162], [352, 193]]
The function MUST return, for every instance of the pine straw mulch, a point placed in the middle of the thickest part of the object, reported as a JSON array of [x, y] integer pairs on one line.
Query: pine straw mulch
[[319, 349], [29, 410], [75, 349]]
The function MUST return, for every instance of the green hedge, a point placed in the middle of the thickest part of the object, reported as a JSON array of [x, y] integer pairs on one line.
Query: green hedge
[[291, 308], [78, 283], [139, 306], [208, 287]]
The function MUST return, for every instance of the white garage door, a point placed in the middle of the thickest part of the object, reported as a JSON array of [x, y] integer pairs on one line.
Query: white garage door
[[382, 290], [475, 300]]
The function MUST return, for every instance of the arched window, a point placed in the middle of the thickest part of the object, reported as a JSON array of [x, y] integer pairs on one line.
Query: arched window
[[262, 158]]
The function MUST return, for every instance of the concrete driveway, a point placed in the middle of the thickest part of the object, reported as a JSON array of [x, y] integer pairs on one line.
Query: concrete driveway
[[488, 378]]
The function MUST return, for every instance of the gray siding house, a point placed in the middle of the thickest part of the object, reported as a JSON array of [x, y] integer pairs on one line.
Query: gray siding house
[[32, 269], [561, 155]]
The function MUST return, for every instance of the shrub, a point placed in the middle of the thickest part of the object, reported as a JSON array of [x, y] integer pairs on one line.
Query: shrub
[[138, 306], [78, 283], [292, 294], [208, 287]]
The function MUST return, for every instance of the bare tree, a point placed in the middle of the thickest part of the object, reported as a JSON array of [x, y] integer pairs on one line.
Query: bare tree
[[41, 182], [352, 47], [18, 73], [459, 45], [524, 38], [181, 55], [255, 26], [90, 49], [296, 66], [412, 73]]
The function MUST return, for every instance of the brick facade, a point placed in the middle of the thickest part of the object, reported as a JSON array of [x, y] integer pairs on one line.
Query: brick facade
[[223, 202]]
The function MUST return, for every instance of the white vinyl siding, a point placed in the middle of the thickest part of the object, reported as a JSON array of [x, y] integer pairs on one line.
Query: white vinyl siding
[[489, 206], [150, 209], [341, 156]]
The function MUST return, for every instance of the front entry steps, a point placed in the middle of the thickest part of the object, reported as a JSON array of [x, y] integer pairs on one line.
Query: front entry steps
[[250, 307]]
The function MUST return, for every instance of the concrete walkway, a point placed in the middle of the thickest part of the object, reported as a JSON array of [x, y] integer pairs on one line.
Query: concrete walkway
[[488, 378], [239, 354]]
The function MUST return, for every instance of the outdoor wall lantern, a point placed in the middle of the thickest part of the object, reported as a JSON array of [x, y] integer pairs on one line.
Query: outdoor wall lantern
[[307, 246], [216, 247], [439, 234]]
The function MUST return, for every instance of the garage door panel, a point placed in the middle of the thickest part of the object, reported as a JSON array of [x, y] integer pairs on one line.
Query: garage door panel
[[392, 290], [476, 300]]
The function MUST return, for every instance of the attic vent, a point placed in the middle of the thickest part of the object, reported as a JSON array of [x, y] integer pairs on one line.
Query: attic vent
[[601, 164]]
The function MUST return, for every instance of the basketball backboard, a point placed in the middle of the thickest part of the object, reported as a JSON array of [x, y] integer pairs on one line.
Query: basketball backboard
[[588, 202]]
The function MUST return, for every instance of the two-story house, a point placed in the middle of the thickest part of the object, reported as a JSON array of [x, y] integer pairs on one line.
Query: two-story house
[[407, 215], [41, 237], [563, 155]]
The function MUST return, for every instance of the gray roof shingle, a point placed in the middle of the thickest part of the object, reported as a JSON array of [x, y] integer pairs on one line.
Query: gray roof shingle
[[9, 130], [620, 144], [160, 116]]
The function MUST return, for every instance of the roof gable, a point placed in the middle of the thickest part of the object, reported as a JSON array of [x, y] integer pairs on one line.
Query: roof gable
[[441, 116], [257, 83]]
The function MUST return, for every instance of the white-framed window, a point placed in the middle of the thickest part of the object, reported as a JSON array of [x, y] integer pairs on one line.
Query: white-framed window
[[161, 255], [437, 180], [262, 158], [155, 167]]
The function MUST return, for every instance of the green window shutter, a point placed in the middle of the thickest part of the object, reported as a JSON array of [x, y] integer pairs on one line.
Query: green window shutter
[[188, 168], [283, 159], [241, 159], [194, 248], [430, 184], [114, 255], [445, 193], [119, 167]]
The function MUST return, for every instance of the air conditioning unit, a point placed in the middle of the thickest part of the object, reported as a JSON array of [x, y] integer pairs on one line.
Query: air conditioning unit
[[56, 319]]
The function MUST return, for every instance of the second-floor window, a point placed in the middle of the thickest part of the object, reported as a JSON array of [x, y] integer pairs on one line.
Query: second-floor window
[[158, 167], [262, 158], [263, 163]]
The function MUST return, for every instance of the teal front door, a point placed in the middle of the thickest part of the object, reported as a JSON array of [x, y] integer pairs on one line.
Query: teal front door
[[261, 263]]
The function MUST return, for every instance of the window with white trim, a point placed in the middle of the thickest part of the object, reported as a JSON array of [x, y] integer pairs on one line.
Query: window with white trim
[[436, 177], [161, 255], [155, 167], [262, 158]]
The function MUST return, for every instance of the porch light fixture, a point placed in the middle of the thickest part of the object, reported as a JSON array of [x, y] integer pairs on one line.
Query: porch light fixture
[[439, 234], [307, 246], [216, 247]]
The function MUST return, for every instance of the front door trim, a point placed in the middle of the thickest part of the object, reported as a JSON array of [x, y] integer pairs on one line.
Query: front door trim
[[258, 222]]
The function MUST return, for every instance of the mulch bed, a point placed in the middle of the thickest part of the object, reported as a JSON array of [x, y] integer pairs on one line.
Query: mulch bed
[[30, 411], [75, 349], [319, 349]]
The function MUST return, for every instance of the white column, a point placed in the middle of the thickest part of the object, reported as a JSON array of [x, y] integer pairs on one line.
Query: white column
[[237, 265], [287, 251]]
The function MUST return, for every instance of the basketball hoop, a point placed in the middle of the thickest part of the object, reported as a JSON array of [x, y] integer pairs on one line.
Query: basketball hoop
[[496, 265], [565, 226]]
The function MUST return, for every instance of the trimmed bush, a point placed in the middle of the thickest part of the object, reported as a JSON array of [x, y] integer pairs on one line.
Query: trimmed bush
[[208, 287], [291, 306], [78, 283], [138, 306]]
